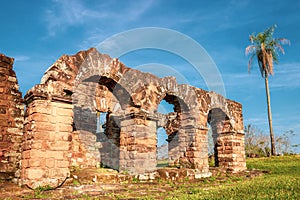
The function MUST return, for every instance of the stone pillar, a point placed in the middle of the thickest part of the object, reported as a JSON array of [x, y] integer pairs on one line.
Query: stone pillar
[[192, 144], [199, 152], [11, 120], [231, 151], [229, 146], [138, 144], [47, 138]]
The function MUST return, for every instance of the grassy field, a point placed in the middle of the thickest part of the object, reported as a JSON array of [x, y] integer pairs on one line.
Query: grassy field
[[277, 178], [281, 182]]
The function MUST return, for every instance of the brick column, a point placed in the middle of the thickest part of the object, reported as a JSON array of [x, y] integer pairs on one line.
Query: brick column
[[231, 151], [200, 151], [229, 146], [47, 137], [138, 144], [11, 120]]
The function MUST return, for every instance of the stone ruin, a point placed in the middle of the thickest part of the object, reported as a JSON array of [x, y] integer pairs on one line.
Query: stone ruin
[[91, 110]]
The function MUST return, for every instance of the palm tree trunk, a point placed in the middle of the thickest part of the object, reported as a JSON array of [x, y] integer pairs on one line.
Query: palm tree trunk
[[273, 152]]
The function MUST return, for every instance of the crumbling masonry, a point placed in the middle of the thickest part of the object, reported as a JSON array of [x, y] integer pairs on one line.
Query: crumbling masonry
[[91, 110]]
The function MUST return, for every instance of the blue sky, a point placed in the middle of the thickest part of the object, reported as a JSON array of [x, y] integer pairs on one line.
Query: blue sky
[[36, 33]]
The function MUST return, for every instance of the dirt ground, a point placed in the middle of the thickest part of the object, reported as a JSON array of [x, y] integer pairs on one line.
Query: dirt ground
[[95, 184]]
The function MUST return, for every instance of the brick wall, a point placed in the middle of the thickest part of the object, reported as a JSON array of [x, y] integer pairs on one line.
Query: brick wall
[[11, 120]]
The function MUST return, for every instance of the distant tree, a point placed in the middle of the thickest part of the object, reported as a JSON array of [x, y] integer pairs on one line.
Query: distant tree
[[284, 144], [265, 48], [256, 142]]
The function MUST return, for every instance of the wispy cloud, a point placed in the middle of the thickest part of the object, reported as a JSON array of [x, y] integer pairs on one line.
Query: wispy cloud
[[64, 14], [258, 120], [20, 58], [286, 76]]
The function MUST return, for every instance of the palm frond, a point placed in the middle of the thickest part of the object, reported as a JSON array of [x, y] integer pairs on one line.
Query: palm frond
[[280, 48], [250, 49], [261, 68], [284, 41], [269, 59], [250, 62]]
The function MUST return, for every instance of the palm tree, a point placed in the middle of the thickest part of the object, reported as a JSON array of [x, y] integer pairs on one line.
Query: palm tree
[[265, 48]]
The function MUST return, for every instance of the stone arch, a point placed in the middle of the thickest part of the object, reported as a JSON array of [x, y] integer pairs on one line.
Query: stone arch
[[121, 93], [182, 131], [172, 125], [76, 87], [103, 95], [229, 152], [219, 122]]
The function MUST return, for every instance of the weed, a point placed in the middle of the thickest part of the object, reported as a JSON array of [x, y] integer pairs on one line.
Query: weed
[[135, 180], [125, 172], [76, 182], [212, 178], [159, 180], [86, 196]]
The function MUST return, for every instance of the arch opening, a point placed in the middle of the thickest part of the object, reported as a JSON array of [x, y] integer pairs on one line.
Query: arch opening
[[104, 101], [171, 107], [162, 148], [216, 120]]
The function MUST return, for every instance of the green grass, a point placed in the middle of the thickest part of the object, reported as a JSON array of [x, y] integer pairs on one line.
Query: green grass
[[282, 183]]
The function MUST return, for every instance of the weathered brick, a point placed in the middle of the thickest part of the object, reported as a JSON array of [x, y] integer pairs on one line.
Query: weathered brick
[[50, 162], [34, 162], [34, 173], [63, 164], [59, 146], [64, 128], [54, 154], [64, 112]]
